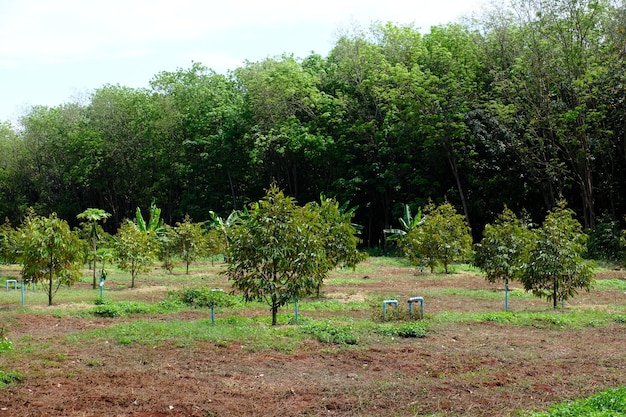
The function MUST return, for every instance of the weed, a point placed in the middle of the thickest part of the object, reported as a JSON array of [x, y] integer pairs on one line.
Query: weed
[[8, 378]]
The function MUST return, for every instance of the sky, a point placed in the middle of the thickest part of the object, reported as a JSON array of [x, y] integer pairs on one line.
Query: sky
[[56, 52]]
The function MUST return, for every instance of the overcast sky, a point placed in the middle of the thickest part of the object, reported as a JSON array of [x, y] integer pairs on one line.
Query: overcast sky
[[54, 52]]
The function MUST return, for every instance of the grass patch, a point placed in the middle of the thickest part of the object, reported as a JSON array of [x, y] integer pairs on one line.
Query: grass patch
[[609, 403], [106, 308], [252, 334], [558, 319], [610, 284]]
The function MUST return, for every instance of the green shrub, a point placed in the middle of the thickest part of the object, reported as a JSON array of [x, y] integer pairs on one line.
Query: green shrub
[[206, 298], [328, 332]]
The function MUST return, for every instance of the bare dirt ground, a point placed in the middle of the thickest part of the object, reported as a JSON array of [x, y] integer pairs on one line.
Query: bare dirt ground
[[481, 369]]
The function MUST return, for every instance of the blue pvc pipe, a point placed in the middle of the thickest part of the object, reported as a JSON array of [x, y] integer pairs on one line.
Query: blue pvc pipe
[[506, 294], [392, 302], [413, 300], [213, 305], [22, 292]]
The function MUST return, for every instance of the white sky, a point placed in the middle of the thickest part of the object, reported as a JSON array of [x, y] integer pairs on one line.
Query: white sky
[[54, 52]]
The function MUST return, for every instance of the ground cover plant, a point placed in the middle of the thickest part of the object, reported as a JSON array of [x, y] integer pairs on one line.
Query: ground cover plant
[[154, 351]]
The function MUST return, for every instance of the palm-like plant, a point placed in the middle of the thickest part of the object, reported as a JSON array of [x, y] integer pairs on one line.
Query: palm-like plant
[[407, 223]]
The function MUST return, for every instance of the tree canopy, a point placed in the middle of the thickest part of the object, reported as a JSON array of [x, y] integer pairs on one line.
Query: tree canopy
[[279, 251], [515, 108]]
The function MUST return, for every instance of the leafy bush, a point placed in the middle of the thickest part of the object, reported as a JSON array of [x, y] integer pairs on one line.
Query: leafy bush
[[7, 378], [206, 297], [327, 332]]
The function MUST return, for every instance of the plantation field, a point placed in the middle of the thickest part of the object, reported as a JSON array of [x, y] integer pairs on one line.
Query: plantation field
[[145, 352]]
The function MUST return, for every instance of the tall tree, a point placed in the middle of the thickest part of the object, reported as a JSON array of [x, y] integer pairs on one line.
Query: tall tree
[[211, 162]]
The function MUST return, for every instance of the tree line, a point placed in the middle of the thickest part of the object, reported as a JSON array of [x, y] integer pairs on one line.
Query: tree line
[[520, 107]]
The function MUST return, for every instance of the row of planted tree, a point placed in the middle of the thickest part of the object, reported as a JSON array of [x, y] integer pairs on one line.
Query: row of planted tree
[[277, 251], [518, 107]]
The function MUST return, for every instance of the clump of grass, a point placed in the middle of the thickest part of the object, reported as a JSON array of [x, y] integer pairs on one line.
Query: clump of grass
[[106, 308], [609, 403], [327, 331]]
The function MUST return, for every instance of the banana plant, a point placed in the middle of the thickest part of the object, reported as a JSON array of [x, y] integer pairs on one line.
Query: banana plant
[[407, 223], [155, 222]]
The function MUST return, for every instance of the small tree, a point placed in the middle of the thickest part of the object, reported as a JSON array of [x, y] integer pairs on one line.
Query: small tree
[[167, 249], [443, 237], [556, 269], [503, 251], [49, 251], [189, 240], [92, 216], [134, 249], [279, 251]]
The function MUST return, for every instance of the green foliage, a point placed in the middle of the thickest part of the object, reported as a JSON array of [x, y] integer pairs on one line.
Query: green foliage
[[92, 216], [9, 378], [135, 250], [280, 251], [608, 403], [49, 252], [604, 240], [408, 223], [556, 269], [206, 297], [106, 308], [190, 241], [7, 246], [155, 222], [503, 250], [327, 331], [442, 238]]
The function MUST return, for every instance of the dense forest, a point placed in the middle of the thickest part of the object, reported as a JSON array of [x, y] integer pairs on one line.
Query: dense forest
[[518, 107]]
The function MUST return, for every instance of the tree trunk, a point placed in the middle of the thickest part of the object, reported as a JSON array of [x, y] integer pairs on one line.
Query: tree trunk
[[95, 265], [274, 311]]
